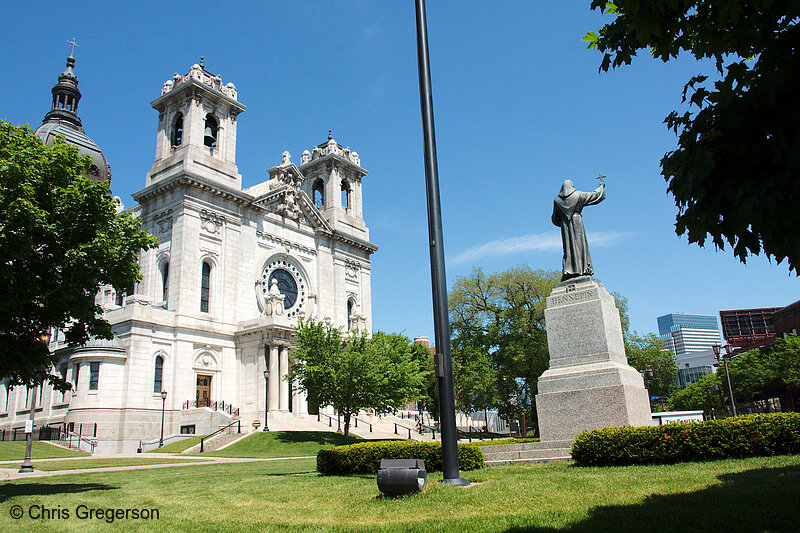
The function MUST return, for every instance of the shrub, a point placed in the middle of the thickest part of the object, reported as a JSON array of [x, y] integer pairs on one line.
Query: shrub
[[741, 436], [365, 457]]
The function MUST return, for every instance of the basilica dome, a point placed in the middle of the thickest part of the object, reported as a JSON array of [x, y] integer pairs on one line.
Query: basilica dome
[[62, 119]]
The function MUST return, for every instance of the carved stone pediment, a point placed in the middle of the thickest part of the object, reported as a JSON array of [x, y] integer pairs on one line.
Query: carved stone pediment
[[287, 199]]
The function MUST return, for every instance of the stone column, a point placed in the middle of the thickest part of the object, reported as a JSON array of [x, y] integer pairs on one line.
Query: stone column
[[356, 188], [283, 399], [262, 356], [300, 401], [274, 378], [194, 123]]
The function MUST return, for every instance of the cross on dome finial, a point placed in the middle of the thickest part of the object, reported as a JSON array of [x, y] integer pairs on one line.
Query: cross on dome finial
[[74, 44]]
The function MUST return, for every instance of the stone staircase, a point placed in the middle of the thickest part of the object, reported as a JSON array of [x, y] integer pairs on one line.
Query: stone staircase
[[383, 427], [527, 452], [214, 443]]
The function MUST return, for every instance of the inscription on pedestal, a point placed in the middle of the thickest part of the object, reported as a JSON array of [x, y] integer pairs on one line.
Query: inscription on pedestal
[[571, 297]]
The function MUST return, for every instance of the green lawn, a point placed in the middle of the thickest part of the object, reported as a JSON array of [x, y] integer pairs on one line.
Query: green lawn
[[13, 451], [758, 494], [179, 446], [75, 464], [284, 444]]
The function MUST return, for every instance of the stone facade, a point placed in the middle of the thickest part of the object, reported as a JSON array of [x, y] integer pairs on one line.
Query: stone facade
[[234, 271]]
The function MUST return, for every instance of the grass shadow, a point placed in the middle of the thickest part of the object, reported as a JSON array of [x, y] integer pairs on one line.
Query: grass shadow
[[10, 490], [763, 499], [283, 474]]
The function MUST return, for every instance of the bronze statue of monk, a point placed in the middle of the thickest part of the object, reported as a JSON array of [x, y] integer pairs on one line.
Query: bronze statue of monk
[[567, 215]]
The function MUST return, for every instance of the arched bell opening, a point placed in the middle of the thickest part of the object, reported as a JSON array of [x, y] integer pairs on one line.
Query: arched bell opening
[[319, 193], [346, 194], [177, 130], [210, 132]]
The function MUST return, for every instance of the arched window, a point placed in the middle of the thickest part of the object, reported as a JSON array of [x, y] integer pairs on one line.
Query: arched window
[[345, 194], [319, 193], [211, 129], [159, 373], [205, 287], [350, 306], [63, 373], [165, 282], [94, 375], [122, 294], [177, 130]]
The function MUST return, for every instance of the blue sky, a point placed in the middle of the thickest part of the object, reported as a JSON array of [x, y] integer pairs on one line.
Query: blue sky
[[519, 107]]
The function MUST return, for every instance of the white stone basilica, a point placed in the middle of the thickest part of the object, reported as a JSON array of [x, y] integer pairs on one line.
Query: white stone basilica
[[234, 271]]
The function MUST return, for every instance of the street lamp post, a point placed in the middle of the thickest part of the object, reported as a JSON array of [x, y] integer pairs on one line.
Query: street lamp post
[[266, 399], [163, 403], [443, 361], [27, 465], [725, 358]]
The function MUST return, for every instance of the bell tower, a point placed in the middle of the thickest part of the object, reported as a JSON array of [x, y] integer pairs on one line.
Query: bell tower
[[333, 182], [197, 128]]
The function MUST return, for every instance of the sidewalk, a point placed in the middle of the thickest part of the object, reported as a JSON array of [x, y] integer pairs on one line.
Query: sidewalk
[[12, 473]]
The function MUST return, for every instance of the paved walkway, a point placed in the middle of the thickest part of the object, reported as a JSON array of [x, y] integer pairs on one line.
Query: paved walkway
[[13, 473]]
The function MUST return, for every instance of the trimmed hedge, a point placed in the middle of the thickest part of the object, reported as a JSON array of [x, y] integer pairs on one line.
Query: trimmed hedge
[[740, 436], [365, 457]]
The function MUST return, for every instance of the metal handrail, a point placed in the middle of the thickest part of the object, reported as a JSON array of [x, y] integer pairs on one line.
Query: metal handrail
[[396, 425], [215, 405], [330, 419], [432, 429], [364, 421], [91, 442], [239, 430]]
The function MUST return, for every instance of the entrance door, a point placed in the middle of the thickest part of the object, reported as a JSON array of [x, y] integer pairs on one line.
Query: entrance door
[[203, 391]]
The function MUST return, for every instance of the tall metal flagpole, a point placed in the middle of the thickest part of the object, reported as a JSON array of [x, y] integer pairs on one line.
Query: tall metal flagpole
[[444, 364]]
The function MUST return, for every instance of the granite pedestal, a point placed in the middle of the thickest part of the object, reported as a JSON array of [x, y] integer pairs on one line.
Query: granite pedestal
[[589, 384]]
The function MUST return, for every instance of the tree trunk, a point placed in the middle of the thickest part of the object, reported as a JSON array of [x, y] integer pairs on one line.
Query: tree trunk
[[347, 415]]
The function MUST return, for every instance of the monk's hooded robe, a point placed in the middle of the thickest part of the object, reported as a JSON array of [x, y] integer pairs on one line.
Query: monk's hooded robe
[[567, 215]]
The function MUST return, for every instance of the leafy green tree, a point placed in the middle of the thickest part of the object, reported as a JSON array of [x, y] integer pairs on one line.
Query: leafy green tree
[[60, 240], [353, 373], [706, 394], [786, 358], [734, 173], [751, 373], [646, 354], [499, 318], [429, 399], [476, 385], [757, 370]]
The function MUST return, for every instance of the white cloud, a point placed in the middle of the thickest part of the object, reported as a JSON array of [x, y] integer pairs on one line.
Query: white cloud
[[550, 241]]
